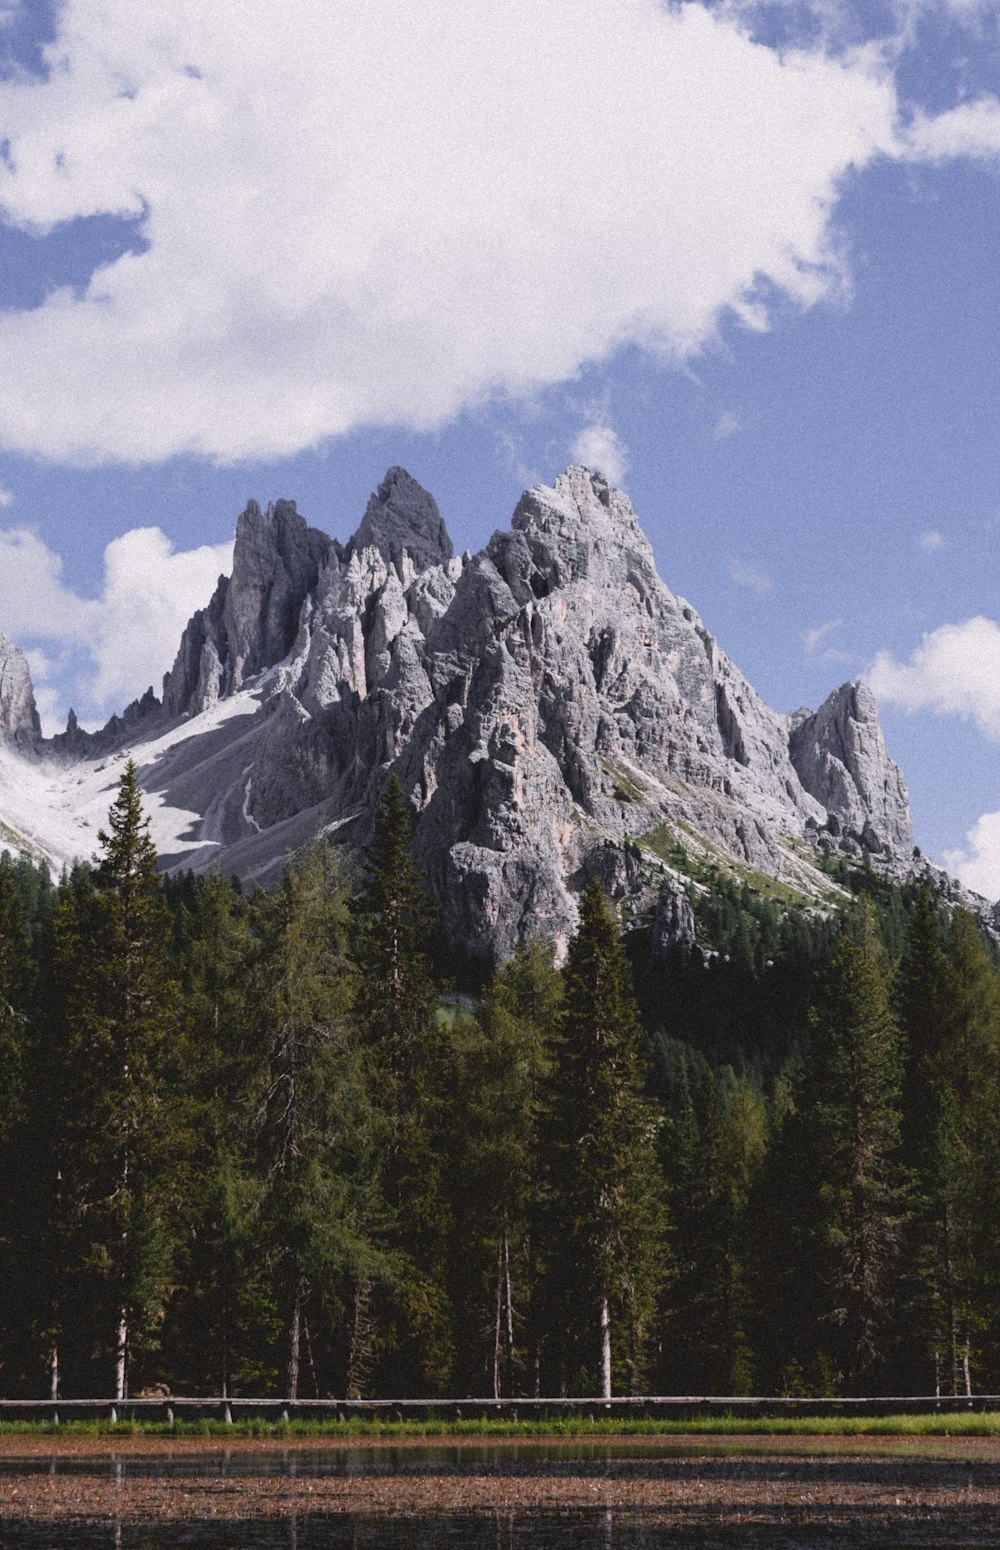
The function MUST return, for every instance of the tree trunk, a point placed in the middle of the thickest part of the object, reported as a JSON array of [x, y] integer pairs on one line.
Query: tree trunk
[[498, 1324], [54, 1372], [510, 1310], [360, 1345], [121, 1353], [605, 1349], [293, 1344]]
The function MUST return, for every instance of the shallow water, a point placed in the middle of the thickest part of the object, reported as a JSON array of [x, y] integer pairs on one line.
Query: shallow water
[[727, 1480]]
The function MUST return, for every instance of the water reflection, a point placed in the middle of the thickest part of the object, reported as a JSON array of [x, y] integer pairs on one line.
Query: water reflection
[[602, 1529]]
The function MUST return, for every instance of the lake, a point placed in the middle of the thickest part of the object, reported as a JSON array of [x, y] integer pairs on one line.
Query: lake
[[610, 1494]]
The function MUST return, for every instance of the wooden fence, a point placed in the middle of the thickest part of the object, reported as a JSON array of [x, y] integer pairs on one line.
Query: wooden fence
[[172, 1408]]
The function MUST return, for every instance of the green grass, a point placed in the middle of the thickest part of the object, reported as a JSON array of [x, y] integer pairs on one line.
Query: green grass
[[962, 1424]]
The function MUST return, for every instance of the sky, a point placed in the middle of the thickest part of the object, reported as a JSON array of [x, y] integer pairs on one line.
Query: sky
[[741, 255]]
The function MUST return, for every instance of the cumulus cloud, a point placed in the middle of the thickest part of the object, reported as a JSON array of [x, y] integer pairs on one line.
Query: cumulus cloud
[[750, 577], [978, 866], [954, 671], [599, 446], [409, 208], [126, 637], [930, 542]]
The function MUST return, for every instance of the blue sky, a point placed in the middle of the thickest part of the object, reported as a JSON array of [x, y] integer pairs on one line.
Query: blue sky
[[743, 256]]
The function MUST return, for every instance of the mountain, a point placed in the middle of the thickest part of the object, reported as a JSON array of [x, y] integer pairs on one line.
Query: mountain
[[552, 710]]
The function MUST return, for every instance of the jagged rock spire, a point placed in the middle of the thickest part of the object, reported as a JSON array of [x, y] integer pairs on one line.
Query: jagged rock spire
[[403, 518], [19, 721]]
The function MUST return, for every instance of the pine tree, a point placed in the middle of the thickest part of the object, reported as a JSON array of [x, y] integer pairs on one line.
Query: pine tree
[[501, 1063], [119, 1000], [604, 1214], [968, 1072], [713, 1153], [409, 1073], [220, 1326], [395, 996], [319, 1209], [853, 1126]]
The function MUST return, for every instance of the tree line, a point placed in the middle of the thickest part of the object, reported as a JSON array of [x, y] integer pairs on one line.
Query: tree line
[[249, 1144]]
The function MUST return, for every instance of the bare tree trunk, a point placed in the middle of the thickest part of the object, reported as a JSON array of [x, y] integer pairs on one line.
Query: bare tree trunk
[[605, 1349], [360, 1346], [951, 1314], [498, 1323], [312, 1364], [293, 1344], [967, 1369], [54, 1372], [121, 1353], [510, 1309]]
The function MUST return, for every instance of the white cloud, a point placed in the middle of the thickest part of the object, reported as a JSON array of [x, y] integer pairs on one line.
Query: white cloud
[[34, 603], [814, 638], [409, 207], [127, 637], [930, 542], [954, 671], [6, 497], [750, 577], [971, 129], [599, 447], [978, 867]]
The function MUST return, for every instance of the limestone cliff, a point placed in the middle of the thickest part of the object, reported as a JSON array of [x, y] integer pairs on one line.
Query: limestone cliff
[[540, 701], [553, 711], [18, 715]]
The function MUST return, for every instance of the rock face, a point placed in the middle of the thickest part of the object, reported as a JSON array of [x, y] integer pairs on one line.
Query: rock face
[[542, 702], [18, 715], [252, 618], [553, 711], [403, 519], [841, 759], [673, 922]]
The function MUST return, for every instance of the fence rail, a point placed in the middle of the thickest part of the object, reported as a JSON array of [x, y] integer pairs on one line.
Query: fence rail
[[172, 1408]]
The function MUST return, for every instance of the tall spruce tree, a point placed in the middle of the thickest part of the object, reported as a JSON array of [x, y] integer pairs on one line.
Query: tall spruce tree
[[853, 1128], [501, 1064], [969, 1086], [113, 952], [406, 1333], [319, 1207], [603, 1208], [712, 1154]]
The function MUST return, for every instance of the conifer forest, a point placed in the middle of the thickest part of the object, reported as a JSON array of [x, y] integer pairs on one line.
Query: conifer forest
[[271, 1142]]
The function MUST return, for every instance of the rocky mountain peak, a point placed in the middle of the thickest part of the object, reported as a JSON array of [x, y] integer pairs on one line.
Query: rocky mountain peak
[[19, 721], [403, 518], [553, 710], [252, 619], [840, 757]]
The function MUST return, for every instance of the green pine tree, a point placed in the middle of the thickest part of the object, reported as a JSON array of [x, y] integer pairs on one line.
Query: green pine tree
[[319, 1207], [409, 1328], [123, 1171], [603, 1209], [852, 1113]]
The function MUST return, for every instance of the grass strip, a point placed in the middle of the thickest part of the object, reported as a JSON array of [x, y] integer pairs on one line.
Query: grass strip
[[963, 1424]]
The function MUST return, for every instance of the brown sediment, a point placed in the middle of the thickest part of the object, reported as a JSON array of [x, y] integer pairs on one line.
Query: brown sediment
[[830, 1486]]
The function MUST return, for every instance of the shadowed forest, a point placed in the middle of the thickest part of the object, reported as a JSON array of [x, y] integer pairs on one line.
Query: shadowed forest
[[256, 1143]]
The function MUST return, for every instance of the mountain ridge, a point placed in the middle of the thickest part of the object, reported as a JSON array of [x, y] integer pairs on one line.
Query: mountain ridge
[[552, 710]]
